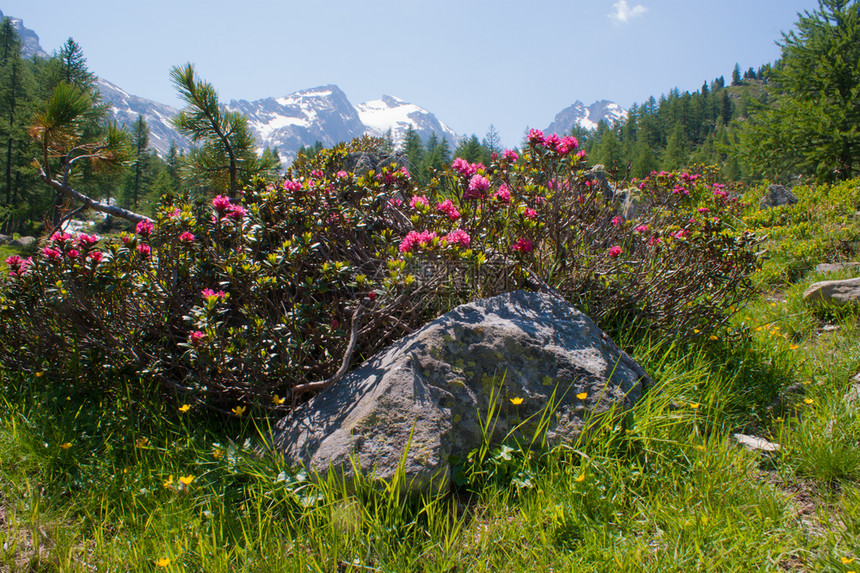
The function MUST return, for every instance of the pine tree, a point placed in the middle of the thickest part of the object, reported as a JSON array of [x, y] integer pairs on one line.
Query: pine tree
[[811, 127], [736, 75], [492, 141], [140, 139], [226, 158]]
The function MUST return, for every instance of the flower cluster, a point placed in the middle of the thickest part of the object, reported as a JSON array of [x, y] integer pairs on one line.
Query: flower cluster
[[414, 239]]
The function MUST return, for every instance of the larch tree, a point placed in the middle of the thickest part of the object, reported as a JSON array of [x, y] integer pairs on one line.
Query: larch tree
[[812, 123]]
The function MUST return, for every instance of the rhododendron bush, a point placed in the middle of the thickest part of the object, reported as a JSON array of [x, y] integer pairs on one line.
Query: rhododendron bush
[[244, 299]]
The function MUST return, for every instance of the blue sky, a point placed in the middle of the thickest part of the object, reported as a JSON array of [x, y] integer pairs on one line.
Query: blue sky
[[514, 64]]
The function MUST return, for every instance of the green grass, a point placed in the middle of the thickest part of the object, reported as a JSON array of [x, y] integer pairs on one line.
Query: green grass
[[94, 482]]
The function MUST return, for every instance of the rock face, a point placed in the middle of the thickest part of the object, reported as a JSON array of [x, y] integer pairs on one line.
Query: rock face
[[776, 196], [835, 267], [433, 386], [840, 293]]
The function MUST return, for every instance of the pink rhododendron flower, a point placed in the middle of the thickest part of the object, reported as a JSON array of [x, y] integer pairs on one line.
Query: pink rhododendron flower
[[617, 220], [60, 237], [221, 203], [209, 293], [341, 174], [186, 237], [73, 253], [95, 256], [145, 228], [566, 145], [144, 250], [530, 213], [702, 209], [523, 246], [654, 240], [395, 202], [405, 172], [457, 237], [317, 173], [641, 229], [478, 184], [680, 191], [414, 239], [552, 141], [504, 194], [236, 212], [510, 155], [175, 213], [614, 251], [447, 207], [536, 137], [86, 241], [680, 233], [419, 202], [197, 338], [52, 255], [290, 185], [18, 266]]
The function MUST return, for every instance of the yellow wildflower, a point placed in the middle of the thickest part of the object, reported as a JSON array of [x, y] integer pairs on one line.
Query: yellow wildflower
[[184, 408], [169, 482], [217, 453], [793, 346], [38, 374], [846, 561], [142, 443], [239, 410], [696, 331], [66, 446], [582, 395], [694, 405], [580, 478], [277, 400], [809, 400], [163, 562], [702, 448], [186, 480], [516, 401], [714, 337]]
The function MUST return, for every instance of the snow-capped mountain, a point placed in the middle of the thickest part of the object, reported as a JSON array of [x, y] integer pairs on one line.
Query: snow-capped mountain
[[29, 39], [586, 116], [125, 109], [397, 115], [321, 114]]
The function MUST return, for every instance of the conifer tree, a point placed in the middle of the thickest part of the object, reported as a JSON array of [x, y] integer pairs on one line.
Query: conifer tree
[[812, 126], [226, 158]]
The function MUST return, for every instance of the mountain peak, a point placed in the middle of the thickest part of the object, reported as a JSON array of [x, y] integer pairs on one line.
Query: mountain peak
[[30, 46], [586, 116]]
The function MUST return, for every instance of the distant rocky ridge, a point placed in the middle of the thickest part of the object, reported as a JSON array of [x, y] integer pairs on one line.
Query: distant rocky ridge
[[322, 114], [586, 117], [29, 39]]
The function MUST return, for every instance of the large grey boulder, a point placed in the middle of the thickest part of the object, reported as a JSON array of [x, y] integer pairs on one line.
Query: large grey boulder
[[839, 293], [776, 196], [429, 390]]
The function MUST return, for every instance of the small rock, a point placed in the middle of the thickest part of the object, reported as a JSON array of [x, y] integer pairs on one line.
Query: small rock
[[776, 196], [4, 239], [834, 267], [839, 293], [23, 242], [756, 444]]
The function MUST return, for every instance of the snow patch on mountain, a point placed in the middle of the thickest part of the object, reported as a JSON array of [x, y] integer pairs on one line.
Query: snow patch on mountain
[[397, 115], [586, 117]]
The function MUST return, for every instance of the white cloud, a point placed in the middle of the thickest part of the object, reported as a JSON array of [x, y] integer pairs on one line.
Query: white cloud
[[624, 13]]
